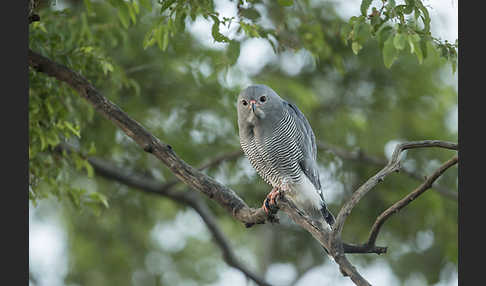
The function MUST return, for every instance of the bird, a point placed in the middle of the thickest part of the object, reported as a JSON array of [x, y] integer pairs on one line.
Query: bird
[[279, 142]]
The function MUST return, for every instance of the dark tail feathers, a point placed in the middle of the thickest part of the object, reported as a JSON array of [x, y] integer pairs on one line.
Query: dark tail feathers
[[327, 215]]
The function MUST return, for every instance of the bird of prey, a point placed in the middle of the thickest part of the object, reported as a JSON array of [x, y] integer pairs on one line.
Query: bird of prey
[[281, 146]]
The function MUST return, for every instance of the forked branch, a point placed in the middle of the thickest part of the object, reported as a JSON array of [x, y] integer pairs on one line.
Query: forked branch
[[396, 207], [392, 166]]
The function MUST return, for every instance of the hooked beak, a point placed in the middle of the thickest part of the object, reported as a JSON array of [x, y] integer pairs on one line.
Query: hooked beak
[[253, 105]]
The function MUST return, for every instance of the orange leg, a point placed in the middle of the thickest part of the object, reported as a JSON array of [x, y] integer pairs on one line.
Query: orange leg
[[269, 202]]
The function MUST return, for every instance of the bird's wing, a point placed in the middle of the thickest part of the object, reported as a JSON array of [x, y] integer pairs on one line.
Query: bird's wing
[[307, 143]]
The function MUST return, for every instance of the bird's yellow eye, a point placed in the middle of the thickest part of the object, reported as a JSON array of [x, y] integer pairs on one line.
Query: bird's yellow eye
[[244, 102], [263, 98]]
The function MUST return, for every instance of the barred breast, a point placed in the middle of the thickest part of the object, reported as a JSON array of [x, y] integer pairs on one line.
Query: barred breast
[[276, 155]]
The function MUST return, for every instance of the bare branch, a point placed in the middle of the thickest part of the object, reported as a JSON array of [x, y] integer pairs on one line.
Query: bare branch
[[392, 166], [408, 199], [361, 156]]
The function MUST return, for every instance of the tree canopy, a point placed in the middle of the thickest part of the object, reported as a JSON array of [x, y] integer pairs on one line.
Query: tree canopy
[[365, 83]]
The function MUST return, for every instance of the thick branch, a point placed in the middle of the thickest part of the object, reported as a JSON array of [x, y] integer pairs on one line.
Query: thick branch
[[408, 199]]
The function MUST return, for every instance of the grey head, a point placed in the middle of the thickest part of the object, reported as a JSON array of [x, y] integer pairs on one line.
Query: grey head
[[258, 105]]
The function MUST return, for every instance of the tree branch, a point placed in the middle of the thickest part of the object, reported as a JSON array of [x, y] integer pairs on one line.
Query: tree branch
[[392, 166], [362, 156], [396, 207]]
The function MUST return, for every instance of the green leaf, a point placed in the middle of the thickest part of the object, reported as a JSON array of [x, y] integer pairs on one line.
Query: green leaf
[[123, 16], [158, 35], [250, 13], [399, 41], [39, 25], [382, 35], [389, 52], [99, 197], [165, 39], [180, 21], [425, 16], [74, 194], [43, 141], [136, 8], [364, 33], [423, 46], [107, 67], [356, 47], [166, 4], [218, 37], [73, 129], [89, 169], [89, 7], [147, 4], [365, 4], [92, 149], [233, 52], [149, 39], [356, 27], [131, 12], [285, 3], [414, 42], [346, 33]]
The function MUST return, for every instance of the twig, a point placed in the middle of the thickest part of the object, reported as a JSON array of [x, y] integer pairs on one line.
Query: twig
[[392, 166], [364, 157], [396, 207]]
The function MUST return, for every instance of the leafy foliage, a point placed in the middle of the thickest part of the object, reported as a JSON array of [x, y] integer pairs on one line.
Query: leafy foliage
[[394, 26]]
